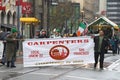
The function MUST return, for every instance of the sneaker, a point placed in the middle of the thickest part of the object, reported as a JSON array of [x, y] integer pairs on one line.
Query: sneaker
[[8, 64], [13, 66]]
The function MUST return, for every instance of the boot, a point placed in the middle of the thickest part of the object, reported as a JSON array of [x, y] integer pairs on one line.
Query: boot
[[13, 64], [8, 63]]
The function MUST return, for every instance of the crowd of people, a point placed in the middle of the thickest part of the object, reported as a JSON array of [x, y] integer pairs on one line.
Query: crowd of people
[[54, 34]]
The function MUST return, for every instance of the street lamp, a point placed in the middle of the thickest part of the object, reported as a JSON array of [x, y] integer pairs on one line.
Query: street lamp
[[82, 15]]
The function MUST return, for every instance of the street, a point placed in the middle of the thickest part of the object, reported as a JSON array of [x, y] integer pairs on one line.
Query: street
[[71, 72]]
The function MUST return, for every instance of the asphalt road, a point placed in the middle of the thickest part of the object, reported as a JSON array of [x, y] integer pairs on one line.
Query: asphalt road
[[71, 72]]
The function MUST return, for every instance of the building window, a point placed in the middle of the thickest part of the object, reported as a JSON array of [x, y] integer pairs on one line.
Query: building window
[[14, 18], [8, 17], [2, 17]]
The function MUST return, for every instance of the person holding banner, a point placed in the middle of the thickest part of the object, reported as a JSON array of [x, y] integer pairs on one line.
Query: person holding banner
[[11, 48], [101, 45], [3, 36]]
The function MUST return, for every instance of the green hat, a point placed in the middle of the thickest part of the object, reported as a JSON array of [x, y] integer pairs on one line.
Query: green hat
[[13, 30], [57, 30]]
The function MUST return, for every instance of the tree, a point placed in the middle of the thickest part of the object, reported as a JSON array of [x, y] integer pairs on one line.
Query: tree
[[60, 14]]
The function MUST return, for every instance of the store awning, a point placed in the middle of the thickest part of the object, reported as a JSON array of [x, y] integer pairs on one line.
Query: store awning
[[29, 20], [103, 20], [7, 25]]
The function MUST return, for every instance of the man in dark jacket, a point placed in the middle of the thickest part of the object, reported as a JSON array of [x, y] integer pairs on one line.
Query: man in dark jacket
[[3, 36], [101, 45]]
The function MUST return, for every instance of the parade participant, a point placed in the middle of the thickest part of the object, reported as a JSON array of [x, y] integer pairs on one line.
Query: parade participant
[[74, 35], [37, 34], [101, 45], [3, 36], [11, 48], [56, 34], [43, 34]]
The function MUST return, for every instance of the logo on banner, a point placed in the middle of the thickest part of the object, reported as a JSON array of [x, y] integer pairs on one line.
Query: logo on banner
[[59, 52]]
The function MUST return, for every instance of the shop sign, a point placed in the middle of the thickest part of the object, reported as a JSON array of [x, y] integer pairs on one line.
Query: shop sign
[[1, 7], [26, 8]]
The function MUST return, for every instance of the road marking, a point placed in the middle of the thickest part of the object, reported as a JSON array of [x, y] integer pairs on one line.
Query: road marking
[[77, 77], [113, 65], [44, 74]]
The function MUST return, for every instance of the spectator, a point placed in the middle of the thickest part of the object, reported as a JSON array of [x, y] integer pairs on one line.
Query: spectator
[[114, 41]]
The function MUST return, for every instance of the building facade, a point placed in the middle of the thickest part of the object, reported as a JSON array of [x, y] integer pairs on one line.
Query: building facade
[[90, 8], [8, 15], [102, 8], [80, 2], [113, 10]]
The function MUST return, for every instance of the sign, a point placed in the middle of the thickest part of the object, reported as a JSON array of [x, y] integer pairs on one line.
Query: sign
[[26, 8], [1, 49], [1, 3], [19, 2], [1, 7], [59, 51]]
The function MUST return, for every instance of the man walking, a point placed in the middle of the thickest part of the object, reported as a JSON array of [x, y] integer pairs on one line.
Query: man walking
[[101, 45]]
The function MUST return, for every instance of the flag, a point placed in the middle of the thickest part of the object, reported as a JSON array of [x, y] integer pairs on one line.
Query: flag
[[81, 29], [85, 32]]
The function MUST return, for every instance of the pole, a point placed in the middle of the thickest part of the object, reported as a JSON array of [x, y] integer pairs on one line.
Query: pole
[[48, 16], [18, 27], [18, 17]]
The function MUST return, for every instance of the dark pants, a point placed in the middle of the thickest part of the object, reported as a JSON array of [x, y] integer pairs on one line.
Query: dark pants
[[12, 62], [96, 57], [4, 54]]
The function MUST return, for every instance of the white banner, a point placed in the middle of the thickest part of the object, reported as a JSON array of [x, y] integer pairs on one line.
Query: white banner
[[1, 49], [59, 51]]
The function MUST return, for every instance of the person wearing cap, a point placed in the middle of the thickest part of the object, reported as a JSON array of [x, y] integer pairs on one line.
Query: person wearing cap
[[56, 33], [11, 45], [43, 34]]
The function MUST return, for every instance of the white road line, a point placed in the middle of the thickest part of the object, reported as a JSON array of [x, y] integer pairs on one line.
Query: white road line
[[76, 77], [85, 78], [44, 74], [113, 65]]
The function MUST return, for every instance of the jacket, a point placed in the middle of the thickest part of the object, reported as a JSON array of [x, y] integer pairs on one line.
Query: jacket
[[104, 44]]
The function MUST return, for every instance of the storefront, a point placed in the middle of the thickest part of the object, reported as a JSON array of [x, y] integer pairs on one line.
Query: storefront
[[28, 26], [105, 24], [6, 27]]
